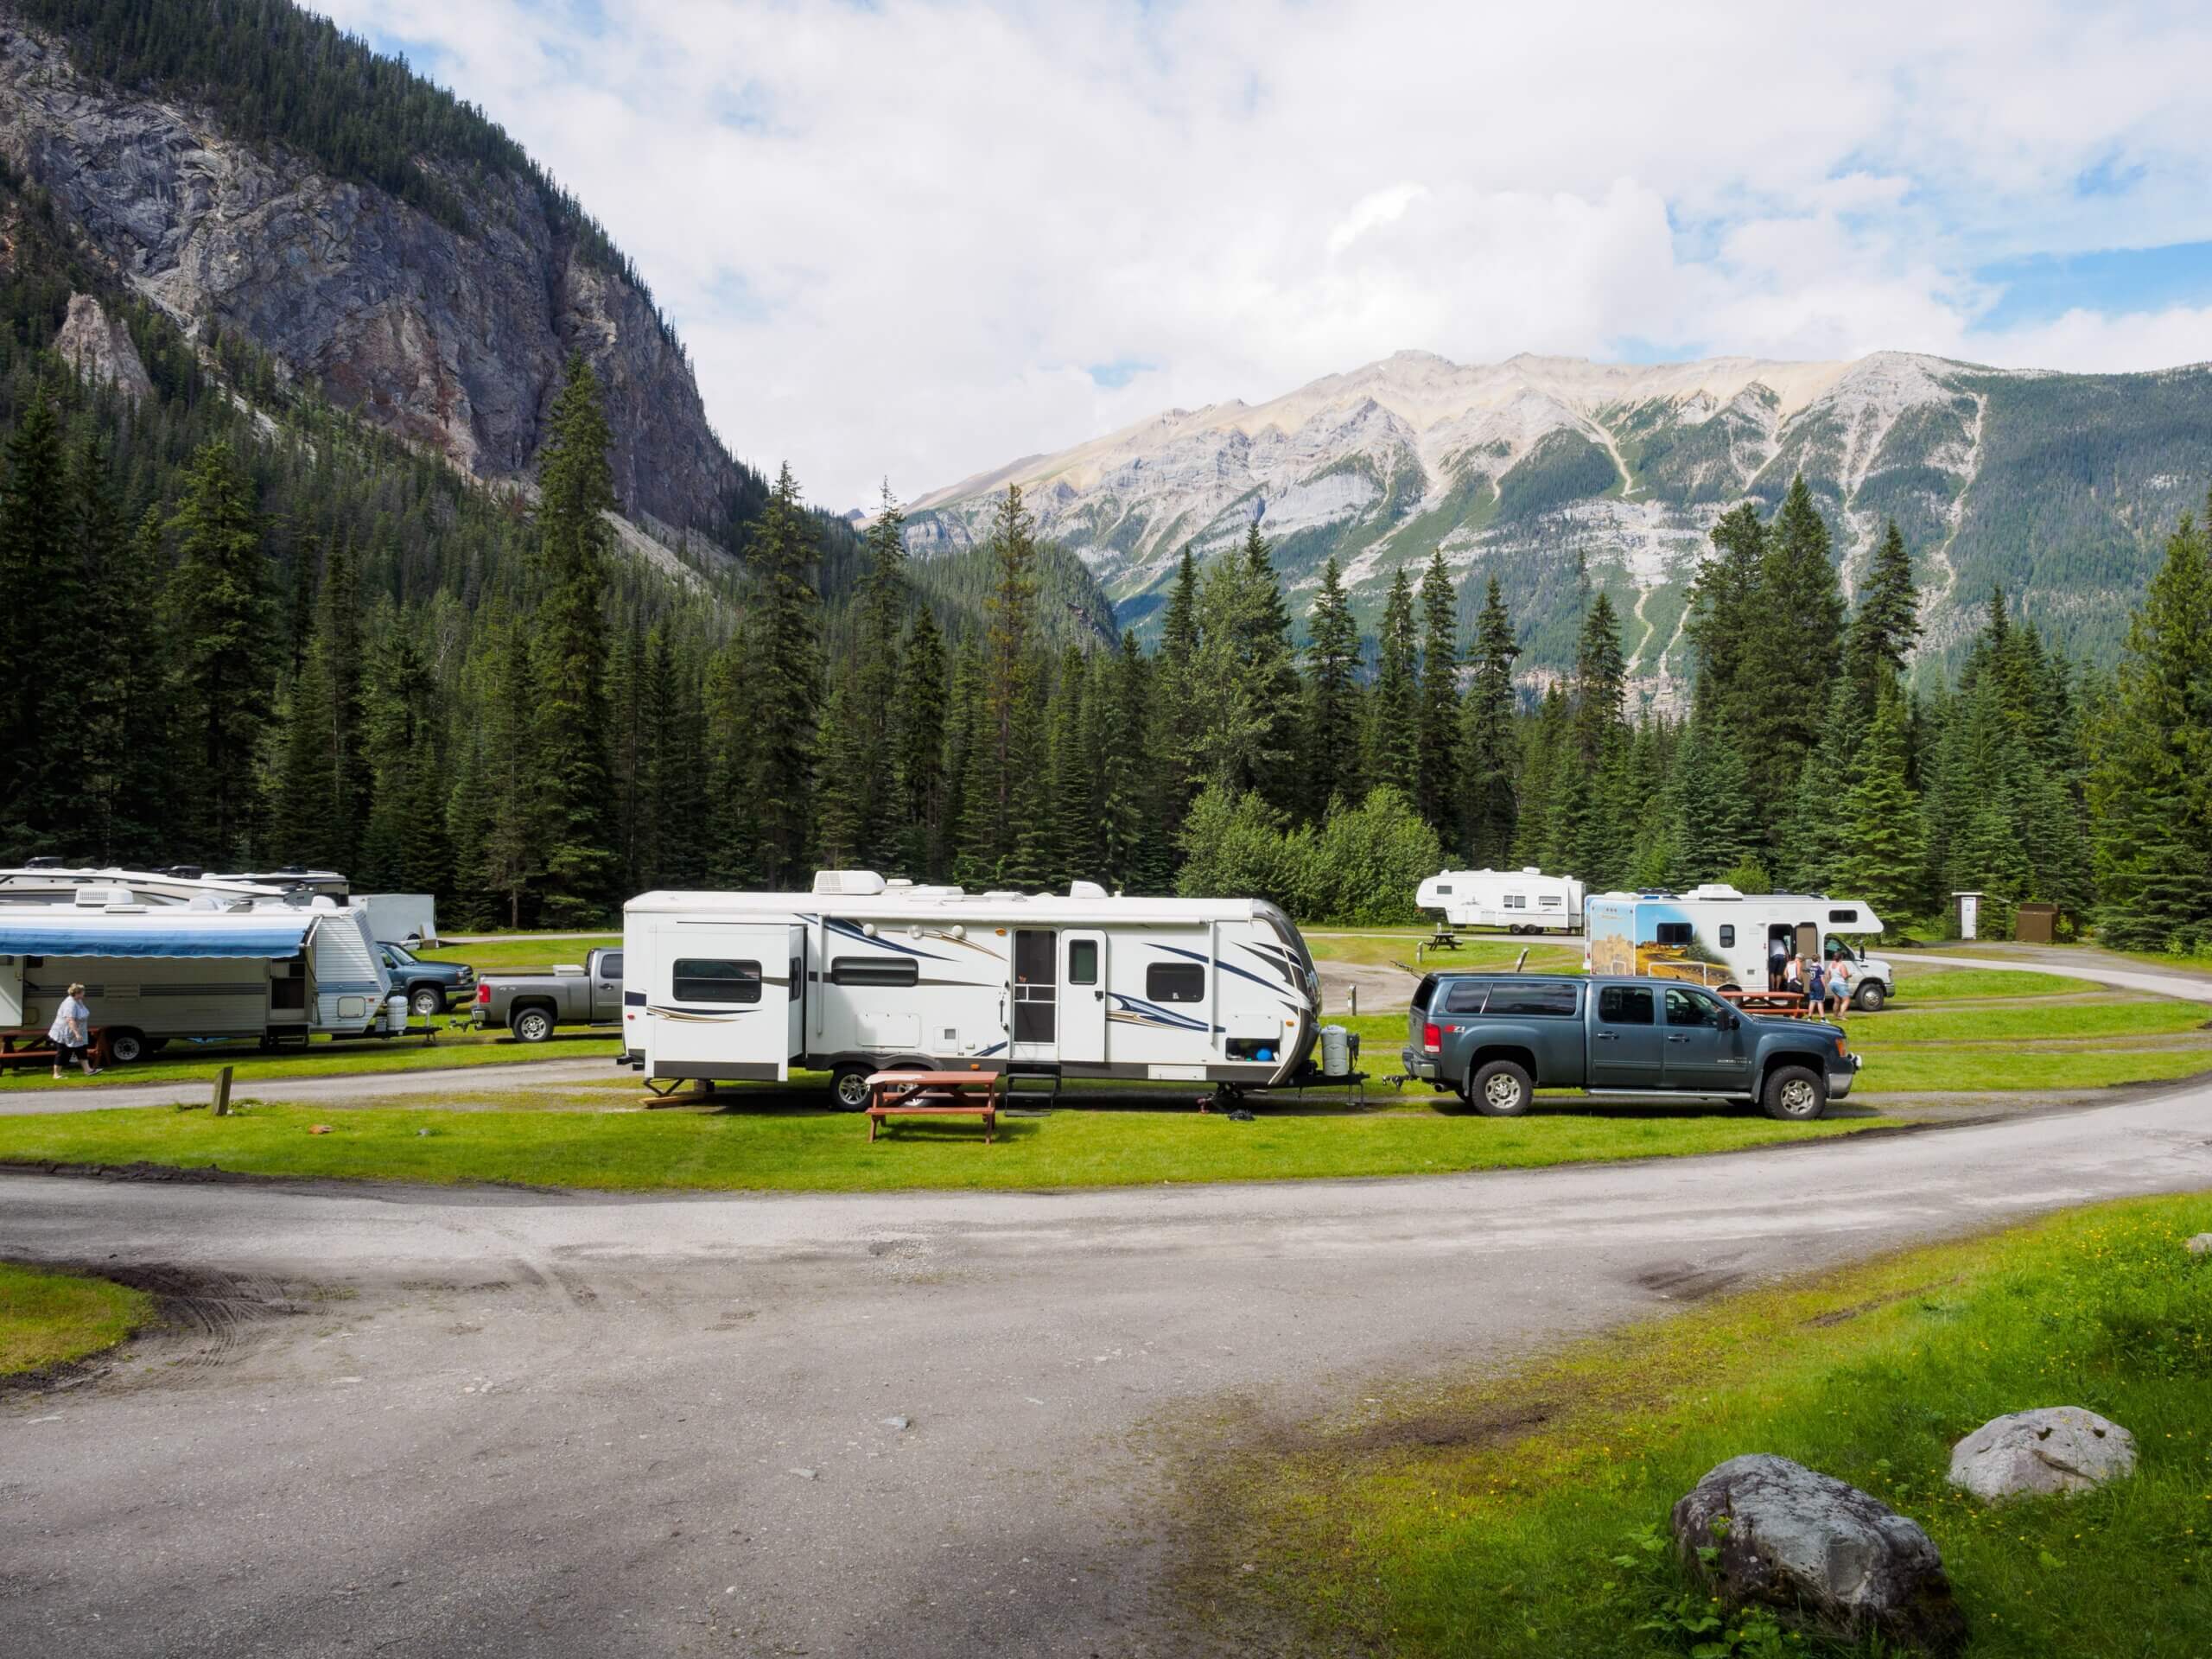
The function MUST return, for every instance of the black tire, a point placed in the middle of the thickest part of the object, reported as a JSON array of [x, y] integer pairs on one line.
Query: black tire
[[531, 1025], [126, 1047], [1795, 1094], [1501, 1089], [426, 1000], [1870, 997], [848, 1086]]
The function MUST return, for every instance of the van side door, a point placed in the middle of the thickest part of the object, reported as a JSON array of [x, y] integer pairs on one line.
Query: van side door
[[1626, 1041]]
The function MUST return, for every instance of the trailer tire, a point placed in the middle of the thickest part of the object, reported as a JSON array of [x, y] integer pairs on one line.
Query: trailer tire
[[1501, 1089], [126, 1046], [428, 1000], [1869, 997], [1795, 1094], [848, 1086], [531, 1025]]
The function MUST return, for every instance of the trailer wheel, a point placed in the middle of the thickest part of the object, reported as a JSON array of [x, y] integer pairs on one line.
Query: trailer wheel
[[532, 1025], [1795, 1094], [126, 1047], [848, 1086], [428, 1000], [1501, 1089], [1870, 997]]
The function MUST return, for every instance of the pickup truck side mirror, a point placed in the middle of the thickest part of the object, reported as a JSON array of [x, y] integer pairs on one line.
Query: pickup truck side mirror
[[1730, 1018]]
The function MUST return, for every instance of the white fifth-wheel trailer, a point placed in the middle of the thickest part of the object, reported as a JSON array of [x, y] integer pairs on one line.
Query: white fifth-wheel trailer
[[1521, 901], [865, 974]]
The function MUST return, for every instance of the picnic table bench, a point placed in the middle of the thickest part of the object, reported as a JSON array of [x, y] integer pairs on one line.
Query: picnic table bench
[[1784, 1004], [934, 1094], [28, 1046]]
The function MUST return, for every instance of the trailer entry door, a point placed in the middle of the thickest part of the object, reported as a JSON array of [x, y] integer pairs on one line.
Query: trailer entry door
[[1083, 1016], [1036, 993]]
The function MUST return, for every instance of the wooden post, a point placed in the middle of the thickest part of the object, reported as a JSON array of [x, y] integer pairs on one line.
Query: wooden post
[[1355, 1001], [222, 1107]]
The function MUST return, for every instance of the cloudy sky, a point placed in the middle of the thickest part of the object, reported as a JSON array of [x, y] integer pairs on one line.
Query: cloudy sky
[[920, 239]]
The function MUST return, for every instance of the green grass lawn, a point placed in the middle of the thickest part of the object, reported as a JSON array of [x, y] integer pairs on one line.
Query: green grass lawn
[[47, 1318], [1918, 985], [793, 1147], [322, 1057], [1523, 1514], [510, 953], [1478, 951]]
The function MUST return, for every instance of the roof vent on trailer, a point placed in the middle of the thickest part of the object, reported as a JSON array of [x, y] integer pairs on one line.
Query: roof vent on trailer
[[1085, 890], [900, 884], [939, 891], [101, 897], [859, 883], [1715, 890]]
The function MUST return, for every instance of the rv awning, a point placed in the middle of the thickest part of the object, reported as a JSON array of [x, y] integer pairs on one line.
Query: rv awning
[[272, 938]]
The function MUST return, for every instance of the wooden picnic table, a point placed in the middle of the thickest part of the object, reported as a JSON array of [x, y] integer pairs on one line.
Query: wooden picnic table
[[1788, 1004], [28, 1046], [934, 1094]]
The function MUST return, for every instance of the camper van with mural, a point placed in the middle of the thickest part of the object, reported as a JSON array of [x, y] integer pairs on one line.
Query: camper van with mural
[[1716, 936]]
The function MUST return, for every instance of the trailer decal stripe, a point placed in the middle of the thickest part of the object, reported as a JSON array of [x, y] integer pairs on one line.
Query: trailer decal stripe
[[847, 930]]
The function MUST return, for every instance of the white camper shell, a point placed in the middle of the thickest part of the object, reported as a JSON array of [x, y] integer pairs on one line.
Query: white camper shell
[[864, 975], [1717, 936], [269, 970], [1521, 901]]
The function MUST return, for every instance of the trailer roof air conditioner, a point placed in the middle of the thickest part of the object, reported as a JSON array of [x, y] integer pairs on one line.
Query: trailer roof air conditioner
[[1715, 890], [850, 883], [1085, 890]]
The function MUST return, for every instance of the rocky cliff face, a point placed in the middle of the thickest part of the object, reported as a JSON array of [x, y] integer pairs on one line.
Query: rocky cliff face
[[451, 342], [2060, 487], [99, 348]]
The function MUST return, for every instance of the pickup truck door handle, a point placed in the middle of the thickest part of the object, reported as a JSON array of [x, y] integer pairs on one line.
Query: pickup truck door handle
[[1678, 1040], [1609, 1037]]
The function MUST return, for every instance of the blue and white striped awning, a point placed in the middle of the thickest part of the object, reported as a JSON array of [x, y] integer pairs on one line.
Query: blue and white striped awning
[[175, 934]]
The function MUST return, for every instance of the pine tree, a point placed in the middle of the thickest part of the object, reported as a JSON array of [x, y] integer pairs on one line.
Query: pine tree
[[919, 731], [1724, 613], [1886, 624], [1394, 730], [1488, 757], [1129, 783], [877, 684], [226, 651], [1436, 794], [1794, 650], [784, 656], [1074, 804], [1719, 826], [1600, 681], [1883, 850], [1179, 697], [839, 808], [999, 839], [577, 875], [120, 707], [1331, 758], [45, 595], [1241, 736]]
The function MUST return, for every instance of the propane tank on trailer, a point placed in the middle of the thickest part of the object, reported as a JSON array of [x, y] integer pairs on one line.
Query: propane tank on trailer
[[1336, 1051]]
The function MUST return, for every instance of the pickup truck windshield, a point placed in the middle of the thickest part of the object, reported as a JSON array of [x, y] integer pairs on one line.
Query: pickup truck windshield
[[400, 953]]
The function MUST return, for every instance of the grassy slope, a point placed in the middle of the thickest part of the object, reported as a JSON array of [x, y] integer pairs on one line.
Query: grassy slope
[[794, 1149], [47, 1318], [1493, 1517]]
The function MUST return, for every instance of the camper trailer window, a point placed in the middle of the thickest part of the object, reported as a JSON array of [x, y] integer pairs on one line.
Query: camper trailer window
[[1465, 997], [703, 979], [1516, 901], [1175, 981], [1727, 935], [1625, 1005], [874, 971], [1443, 889], [1673, 932], [1083, 961], [1560, 1002], [1551, 902], [1846, 917]]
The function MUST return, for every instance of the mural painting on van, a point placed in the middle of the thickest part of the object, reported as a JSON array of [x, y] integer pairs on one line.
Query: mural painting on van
[[1628, 936]]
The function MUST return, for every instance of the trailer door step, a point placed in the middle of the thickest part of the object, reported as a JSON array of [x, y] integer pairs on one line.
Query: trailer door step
[[1035, 1074]]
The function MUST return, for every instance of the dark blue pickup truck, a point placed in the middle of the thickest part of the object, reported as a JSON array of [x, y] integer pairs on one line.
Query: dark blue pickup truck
[[1498, 1038]]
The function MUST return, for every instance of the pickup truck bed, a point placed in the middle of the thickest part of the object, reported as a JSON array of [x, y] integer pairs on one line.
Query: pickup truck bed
[[531, 1005], [1496, 1038]]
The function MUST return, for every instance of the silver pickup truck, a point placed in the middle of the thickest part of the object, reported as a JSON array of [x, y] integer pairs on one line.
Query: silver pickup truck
[[531, 1004]]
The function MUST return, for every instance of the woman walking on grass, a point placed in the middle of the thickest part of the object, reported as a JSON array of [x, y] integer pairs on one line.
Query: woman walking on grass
[[70, 1034], [1839, 985], [1816, 988]]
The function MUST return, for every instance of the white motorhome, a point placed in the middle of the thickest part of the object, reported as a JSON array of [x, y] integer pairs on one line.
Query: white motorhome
[[1720, 936], [272, 970], [864, 975], [1521, 901]]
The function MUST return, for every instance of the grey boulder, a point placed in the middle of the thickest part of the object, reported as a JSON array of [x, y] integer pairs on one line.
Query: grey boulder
[[2038, 1454], [1815, 1548]]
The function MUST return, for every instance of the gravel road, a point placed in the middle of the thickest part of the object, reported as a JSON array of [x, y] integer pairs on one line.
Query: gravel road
[[428, 1422]]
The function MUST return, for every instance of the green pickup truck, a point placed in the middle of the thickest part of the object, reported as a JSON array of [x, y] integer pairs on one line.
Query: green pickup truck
[[1496, 1038]]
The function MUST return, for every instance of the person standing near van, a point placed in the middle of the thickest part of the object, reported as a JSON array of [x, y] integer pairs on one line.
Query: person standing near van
[[1839, 984], [70, 1034], [1816, 988], [1778, 958]]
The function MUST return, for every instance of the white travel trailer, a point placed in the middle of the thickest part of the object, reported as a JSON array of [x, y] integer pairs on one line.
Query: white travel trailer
[[1521, 901], [864, 975], [273, 972], [49, 882], [1720, 936]]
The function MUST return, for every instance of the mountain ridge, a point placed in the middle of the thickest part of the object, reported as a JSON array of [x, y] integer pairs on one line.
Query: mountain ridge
[[1540, 466]]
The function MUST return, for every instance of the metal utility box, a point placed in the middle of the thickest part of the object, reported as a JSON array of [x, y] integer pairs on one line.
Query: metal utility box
[[2035, 923]]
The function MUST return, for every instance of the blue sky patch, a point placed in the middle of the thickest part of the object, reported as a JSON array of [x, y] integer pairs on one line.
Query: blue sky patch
[[2037, 287], [1112, 377]]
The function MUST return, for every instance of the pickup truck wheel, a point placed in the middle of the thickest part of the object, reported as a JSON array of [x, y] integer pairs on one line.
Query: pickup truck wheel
[[1501, 1089], [1796, 1095], [1870, 997], [427, 1000], [532, 1025], [848, 1086]]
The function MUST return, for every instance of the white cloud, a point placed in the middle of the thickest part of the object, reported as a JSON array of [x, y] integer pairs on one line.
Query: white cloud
[[896, 237]]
